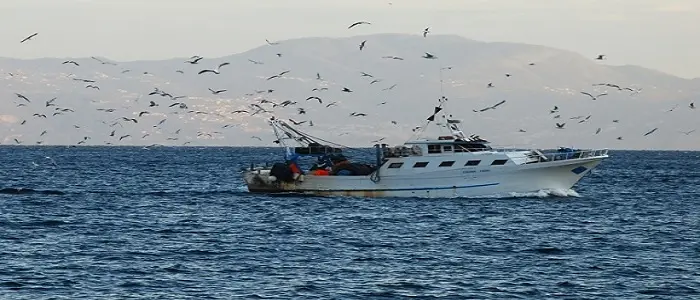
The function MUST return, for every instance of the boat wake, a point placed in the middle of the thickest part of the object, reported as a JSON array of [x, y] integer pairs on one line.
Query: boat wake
[[547, 193]]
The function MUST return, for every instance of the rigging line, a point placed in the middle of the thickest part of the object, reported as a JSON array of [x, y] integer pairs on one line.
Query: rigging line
[[341, 145], [302, 135], [311, 138], [422, 130]]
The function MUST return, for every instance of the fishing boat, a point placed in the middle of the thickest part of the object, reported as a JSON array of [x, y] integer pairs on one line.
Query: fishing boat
[[450, 165]]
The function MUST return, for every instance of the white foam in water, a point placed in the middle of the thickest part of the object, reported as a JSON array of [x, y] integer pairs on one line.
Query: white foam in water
[[242, 188], [547, 193]]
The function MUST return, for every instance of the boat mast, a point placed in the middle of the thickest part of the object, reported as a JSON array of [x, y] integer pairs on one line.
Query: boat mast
[[451, 124], [285, 132]]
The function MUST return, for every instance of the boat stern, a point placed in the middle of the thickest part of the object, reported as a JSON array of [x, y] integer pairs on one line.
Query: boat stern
[[260, 181]]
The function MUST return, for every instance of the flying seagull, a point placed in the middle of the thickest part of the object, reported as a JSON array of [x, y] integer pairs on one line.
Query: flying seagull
[[362, 45], [216, 92], [102, 61], [278, 75], [297, 123], [358, 23], [130, 119], [651, 131], [315, 98], [429, 56], [22, 97], [426, 31], [600, 57], [215, 71], [70, 62], [560, 126], [29, 37], [389, 88], [490, 107], [594, 97], [271, 43], [194, 60]]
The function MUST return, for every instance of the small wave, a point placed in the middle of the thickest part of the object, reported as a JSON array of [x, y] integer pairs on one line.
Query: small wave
[[404, 285], [176, 268], [548, 250], [46, 223], [655, 292], [131, 284], [163, 193], [11, 284], [566, 284], [192, 192], [202, 252], [23, 191]]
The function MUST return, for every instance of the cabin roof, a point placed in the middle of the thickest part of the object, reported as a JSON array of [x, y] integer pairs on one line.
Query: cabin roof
[[444, 142]]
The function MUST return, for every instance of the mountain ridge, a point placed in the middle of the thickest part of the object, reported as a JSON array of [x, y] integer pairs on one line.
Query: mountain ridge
[[556, 78]]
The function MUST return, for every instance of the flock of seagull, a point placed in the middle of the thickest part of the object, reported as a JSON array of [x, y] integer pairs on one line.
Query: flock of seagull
[[262, 105]]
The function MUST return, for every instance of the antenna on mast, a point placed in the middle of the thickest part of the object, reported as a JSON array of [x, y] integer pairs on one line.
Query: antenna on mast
[[451, 124], [442, 92]]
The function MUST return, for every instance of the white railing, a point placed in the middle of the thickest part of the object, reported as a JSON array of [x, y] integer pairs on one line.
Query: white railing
[[579, 154], [525, 155]]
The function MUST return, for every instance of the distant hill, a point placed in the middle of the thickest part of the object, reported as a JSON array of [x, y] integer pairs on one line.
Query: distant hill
[[539, 78]]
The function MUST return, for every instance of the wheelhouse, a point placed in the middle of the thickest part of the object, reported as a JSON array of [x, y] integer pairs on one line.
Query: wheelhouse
[[443, 145]]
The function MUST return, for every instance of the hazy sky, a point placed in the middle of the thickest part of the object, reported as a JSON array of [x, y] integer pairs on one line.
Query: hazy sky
[[659, 34]]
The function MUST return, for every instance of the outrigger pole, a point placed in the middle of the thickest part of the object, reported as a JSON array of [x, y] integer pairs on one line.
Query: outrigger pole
[[284, 132]]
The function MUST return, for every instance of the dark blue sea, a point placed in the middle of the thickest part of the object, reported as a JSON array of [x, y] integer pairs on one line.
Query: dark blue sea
[[177, 223]]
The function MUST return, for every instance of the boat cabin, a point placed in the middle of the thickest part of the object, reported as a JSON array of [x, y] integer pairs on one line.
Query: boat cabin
[[443, 145]]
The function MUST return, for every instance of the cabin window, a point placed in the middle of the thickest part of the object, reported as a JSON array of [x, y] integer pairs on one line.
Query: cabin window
[[395, 165], [472, 163], [447, 148], [420, 164], [447, 163], [460, 148], [434, 149], [499, 162]]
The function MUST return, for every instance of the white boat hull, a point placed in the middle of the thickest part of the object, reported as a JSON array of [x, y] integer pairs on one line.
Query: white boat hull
[[456, 182]]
